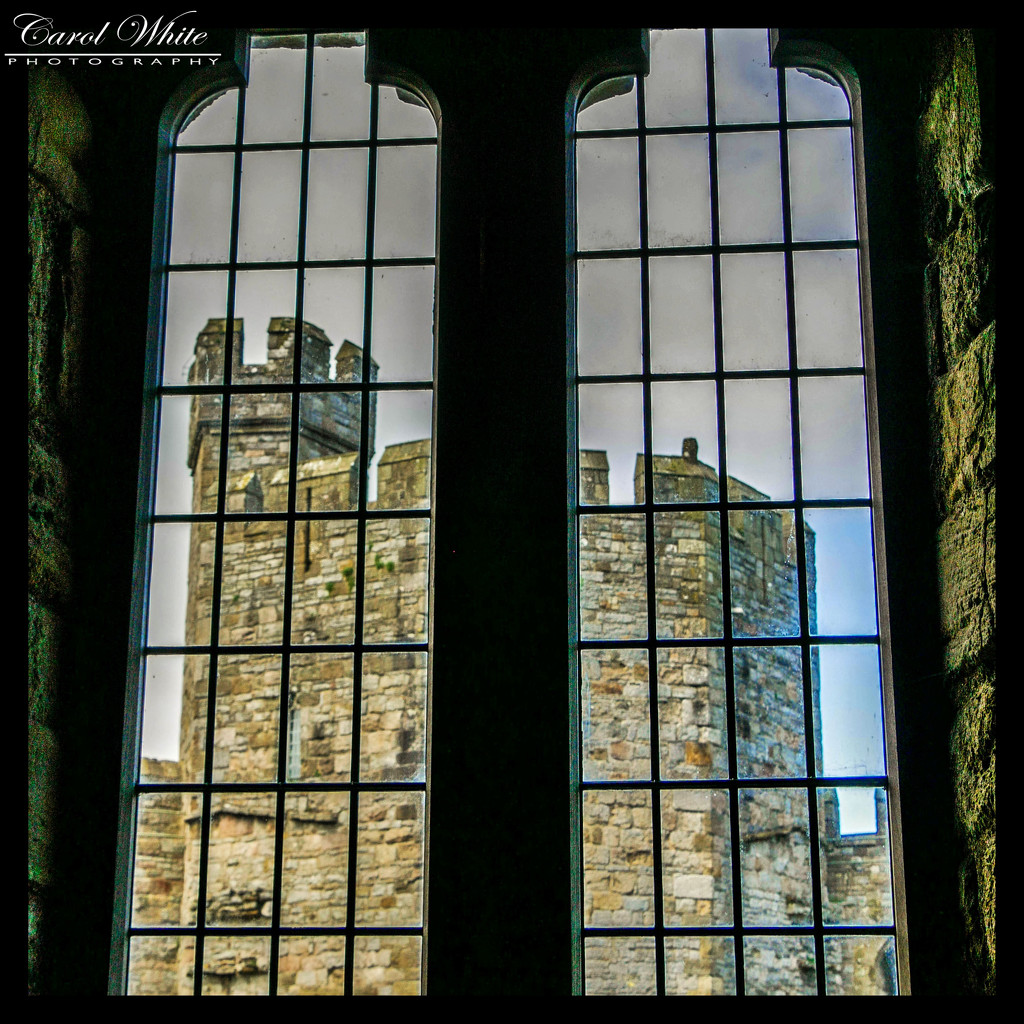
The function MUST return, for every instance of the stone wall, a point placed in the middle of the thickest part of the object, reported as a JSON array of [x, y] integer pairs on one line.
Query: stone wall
[[59, 135], [319, 719], [696, 843], [958, 193]]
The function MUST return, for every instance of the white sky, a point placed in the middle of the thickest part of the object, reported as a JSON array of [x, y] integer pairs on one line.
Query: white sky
[[757, 415]]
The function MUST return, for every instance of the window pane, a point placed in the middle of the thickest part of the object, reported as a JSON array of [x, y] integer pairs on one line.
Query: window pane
[[688, 574], [389, 866], [775, 858], [387, 965], [750, 193], [404, 224], [699, 966], [765, 594], [813, 96], [679, 190], [192, 299], [692, 730], [754, 319], [851, 711], [611, 421], [833, 436], [608, 316], [393, 717], [618, 873], [860, 965], [685, 427], [201, 221], [745, 84], [268, 215], [696, 859], [314, 886], [769, 686], [858, 887], [341, 97], [264, 312], [682, 314], [616, 715], [275, 96], [403, 322], [613, 589], [844, 571], [311, 965], [760, 440], [212, 122], [779, 965], [676, 87], [336, 204], [821, 170], [333, 300], [403, 115], [607, 194], [827, 286], [620, 966]]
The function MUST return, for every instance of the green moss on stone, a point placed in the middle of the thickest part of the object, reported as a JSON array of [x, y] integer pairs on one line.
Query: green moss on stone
[[964, 423]]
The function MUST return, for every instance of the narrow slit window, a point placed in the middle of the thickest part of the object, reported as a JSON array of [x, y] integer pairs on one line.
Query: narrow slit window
[[278, 805], [734, 792]]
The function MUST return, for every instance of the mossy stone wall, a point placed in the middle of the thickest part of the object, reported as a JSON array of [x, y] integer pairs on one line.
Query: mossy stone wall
[[58, 208], [958, 195]]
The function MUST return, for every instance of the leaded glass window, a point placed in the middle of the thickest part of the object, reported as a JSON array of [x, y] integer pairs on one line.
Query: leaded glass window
[[735, 789], [279, 803]]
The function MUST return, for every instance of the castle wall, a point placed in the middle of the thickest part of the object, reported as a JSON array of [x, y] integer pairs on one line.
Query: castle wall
[[618, 849], [693, 734]]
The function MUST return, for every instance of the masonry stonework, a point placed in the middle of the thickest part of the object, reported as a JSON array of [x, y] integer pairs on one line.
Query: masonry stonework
[[619, 869]]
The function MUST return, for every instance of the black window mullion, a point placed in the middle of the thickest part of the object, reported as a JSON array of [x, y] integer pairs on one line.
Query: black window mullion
[[814, 850], [218, 556], [649, 533], [283, 731], [735, 844], [364, 476]]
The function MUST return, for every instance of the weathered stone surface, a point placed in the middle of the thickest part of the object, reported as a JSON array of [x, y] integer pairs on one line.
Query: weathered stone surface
[[974, 751], [959, 212], [49, 563], [59, 135], [967, 574], [964, 410], [951, 123], [43, 753], [45, 631], [973, 748]]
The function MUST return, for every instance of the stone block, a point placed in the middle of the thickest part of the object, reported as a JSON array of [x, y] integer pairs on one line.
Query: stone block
[[973, 746], [59, 135], [43, 754], [964, 415], [966, 542]]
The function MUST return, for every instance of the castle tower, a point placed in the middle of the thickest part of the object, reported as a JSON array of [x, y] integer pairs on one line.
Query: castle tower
[[697, 834]]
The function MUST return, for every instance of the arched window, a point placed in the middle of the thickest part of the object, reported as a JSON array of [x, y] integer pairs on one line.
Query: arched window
[[736, 761], [278, 749]]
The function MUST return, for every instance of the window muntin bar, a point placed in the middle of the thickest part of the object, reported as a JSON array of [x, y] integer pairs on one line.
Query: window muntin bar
[[736, 608], [300, 627]]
